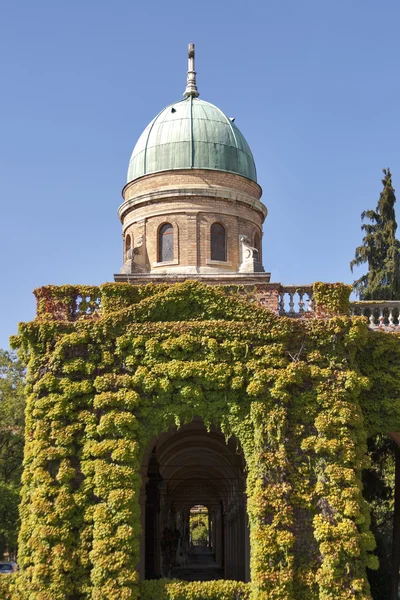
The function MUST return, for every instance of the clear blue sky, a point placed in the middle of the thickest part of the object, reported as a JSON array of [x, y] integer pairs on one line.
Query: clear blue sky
[[314, 86]]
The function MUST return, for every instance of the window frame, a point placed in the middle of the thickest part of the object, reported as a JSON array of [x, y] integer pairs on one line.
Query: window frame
[[160, 236], [216, 258], [128, 238]]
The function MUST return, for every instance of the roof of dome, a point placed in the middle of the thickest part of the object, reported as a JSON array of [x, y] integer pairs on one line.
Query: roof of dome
[[191, 134]]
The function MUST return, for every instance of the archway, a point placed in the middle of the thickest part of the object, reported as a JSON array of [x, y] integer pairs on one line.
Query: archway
[[189, 471], [381, 483]]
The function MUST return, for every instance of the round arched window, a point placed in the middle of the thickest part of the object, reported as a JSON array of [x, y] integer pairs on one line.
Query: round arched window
[[166, 243], [128, 244], [218, 242]]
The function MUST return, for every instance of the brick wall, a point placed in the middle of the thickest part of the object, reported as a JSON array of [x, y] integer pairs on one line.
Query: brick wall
[[191, 178], [192, 216]]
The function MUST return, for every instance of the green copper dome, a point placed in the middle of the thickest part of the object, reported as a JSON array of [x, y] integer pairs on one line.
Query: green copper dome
[[191, 134]]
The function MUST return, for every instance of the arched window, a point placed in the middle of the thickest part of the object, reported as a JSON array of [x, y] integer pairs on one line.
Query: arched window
[[257, 243], [218, 242], [128, 244], [166, 243]]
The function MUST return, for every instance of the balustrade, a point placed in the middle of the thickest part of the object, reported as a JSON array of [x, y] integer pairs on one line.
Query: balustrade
[[71, 303], [383, 315], [295, 301]]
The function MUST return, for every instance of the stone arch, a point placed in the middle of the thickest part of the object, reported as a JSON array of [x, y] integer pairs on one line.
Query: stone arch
[[218, 242], [128, 245], [395, 578], [395, 436], [384, 455], [189, 466], [257, 243], [165, 242]]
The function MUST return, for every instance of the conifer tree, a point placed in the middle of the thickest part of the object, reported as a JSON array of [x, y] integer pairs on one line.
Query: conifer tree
[[380, 249]]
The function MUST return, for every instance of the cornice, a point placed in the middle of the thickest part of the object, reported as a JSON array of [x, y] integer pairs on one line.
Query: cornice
[[169, 193]]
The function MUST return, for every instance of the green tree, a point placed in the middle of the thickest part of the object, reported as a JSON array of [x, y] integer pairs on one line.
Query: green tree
[[380, 249], [9, 518], [12, 407]]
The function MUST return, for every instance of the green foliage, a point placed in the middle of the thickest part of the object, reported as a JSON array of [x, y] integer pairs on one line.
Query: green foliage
[[167, 589], [332, 298], [12, 406], [301, 397], [380, 249], [9, 501], [5, 587], [378, 482], [198, 525]]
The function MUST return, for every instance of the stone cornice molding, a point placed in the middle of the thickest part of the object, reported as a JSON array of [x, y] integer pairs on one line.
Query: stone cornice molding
[[168, 193], [206, 175], [228, 278]]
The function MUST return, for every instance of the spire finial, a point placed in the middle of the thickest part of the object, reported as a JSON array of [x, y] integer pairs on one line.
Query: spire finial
[[191, 87]]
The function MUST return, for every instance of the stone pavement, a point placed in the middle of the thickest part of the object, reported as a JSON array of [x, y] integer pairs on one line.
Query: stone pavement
[[201, 567]]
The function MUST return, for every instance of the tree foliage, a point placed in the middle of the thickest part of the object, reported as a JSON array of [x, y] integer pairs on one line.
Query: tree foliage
[[12, 406], [380, 249]]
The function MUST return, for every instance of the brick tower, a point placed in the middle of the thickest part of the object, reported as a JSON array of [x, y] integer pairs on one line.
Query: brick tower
[[192, 205]]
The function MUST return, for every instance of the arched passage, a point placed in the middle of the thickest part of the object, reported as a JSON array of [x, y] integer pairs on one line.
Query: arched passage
[[183, 469], [381, 483]]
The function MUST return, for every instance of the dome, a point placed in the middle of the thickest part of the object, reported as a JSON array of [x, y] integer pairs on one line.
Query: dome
[[191, 134]]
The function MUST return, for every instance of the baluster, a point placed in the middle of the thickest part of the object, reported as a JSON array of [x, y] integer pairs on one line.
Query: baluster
[[291, 303], [76, 306], [381, 318], [372, 318], [391, 316], [311, 303], [301, 302], [281, 303]]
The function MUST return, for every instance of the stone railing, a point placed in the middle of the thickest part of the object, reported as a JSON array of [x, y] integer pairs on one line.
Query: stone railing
[[71, 303], [381, 314], [295, 300]]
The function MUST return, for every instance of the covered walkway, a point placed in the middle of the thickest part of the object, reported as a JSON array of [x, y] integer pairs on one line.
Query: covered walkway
[[185, 469]]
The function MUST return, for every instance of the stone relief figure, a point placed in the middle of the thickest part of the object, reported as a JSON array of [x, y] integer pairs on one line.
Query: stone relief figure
[[138, 244], [129, 255], [250, 257], [130, 266]]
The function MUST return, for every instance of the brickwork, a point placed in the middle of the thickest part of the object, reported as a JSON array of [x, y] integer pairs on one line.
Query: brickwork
[[230, 222], [191, 178], [152, 228], [192, 214], [192, 203]]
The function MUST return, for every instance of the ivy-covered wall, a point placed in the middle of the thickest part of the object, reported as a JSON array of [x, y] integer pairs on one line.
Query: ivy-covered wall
[[111, 367]]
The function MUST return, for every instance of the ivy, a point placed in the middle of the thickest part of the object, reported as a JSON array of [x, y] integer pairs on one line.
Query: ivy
[[300, 395], [165, 589], [332, 298]]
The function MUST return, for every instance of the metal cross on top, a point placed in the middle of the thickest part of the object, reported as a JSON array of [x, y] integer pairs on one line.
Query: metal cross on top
[[191, 86]]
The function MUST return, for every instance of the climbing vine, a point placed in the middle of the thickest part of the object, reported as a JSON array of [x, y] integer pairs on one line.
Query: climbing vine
[[332, 298], [111, 367]]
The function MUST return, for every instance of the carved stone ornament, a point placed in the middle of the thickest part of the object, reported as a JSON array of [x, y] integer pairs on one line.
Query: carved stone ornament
[[250, 257], [130, 266]]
